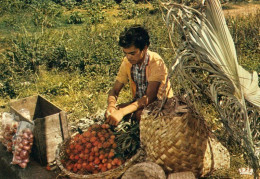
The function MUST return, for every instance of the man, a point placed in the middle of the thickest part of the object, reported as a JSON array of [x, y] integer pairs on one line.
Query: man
[[146, 72]]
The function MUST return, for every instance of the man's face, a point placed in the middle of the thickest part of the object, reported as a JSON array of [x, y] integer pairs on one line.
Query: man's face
[[135, 55]]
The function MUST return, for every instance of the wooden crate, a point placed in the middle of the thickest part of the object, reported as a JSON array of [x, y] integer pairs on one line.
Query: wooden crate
[[51, 126]]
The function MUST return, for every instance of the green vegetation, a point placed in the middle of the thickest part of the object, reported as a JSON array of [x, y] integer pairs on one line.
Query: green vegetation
[[67, 51], [43, 41]]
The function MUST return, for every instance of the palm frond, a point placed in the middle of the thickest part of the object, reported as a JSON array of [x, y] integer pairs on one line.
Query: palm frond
[[209, 62]]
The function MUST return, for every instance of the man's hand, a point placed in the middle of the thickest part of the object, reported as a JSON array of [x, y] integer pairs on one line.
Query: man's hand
[[115, 117], [112, 98], [110, 110]]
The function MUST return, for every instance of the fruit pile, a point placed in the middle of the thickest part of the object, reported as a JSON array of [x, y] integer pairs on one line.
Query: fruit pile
[[92, 152], [22, 147], [9, 127]]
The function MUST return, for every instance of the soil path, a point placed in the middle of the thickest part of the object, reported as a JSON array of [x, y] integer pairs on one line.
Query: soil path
[[241, 10]]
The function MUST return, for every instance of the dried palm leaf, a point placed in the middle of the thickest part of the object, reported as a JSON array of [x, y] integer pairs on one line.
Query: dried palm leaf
[[209, 63]]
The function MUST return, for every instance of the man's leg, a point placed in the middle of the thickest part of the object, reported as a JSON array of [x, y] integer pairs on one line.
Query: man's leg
[[137, 115]]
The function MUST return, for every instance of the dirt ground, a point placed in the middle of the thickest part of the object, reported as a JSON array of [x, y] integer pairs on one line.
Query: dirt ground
[[241, 10]]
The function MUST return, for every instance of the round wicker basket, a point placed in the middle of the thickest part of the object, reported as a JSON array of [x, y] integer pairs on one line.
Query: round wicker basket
[[144, 170], [113, 173], [178, 141]]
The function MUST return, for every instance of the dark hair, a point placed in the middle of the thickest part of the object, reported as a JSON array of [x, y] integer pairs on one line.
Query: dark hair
[[135, 35]]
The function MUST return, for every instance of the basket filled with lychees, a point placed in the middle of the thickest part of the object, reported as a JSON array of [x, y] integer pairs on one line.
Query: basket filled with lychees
[[95, 153]]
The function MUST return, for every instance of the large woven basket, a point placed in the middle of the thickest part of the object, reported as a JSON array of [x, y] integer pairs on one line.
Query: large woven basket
[[144, 170], [178, 141], [111, 174]]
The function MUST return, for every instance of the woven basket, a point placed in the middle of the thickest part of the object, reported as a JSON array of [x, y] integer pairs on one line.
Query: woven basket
[[113, 173], [144, 170], [181, 175], [178, 141], [216, 156]]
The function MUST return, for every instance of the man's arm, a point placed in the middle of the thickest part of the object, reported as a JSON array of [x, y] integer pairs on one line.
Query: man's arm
[[112, 97], [151, 95]]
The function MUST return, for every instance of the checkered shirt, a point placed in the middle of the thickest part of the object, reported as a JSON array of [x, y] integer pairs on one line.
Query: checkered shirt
[[139, 77]]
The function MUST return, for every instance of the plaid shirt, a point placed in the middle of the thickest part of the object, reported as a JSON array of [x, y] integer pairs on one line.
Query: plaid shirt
[[139, 77]]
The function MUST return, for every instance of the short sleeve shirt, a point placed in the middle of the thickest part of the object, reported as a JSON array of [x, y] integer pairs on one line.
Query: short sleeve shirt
[[156, 70]]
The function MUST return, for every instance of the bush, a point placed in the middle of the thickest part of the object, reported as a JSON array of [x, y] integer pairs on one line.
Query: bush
[[45, 13], [75, 18], [95, 14], [12, 6]]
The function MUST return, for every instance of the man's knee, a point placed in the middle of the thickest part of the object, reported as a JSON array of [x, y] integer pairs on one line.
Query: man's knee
[[138, 114]]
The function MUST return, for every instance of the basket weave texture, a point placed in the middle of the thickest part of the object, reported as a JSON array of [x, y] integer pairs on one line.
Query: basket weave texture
[[181, 175], [178, 141], [110, 174], [144, 170]]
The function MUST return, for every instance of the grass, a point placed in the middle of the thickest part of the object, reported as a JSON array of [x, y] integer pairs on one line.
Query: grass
[[65, 41]]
